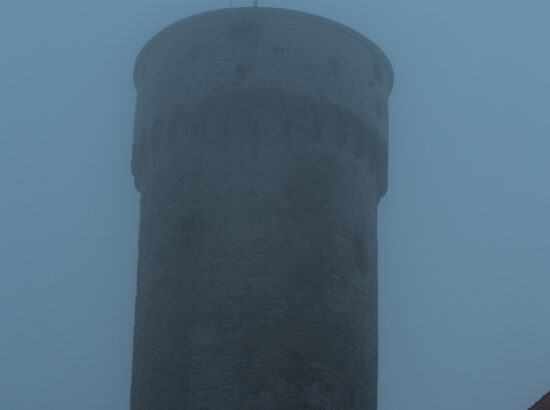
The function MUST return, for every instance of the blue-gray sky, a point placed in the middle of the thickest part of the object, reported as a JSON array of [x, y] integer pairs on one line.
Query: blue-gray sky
[[464, 258]]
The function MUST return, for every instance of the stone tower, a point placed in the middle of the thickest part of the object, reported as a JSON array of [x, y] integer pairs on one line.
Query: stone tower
[[260, 152]]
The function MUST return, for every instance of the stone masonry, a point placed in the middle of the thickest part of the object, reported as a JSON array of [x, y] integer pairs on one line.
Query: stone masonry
[[260, 151]]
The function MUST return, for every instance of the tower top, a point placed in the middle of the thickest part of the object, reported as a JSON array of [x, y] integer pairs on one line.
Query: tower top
[[265, 13], [246, 51]]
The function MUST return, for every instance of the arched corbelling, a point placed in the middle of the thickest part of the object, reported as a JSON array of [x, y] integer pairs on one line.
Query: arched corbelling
[[243, 116]]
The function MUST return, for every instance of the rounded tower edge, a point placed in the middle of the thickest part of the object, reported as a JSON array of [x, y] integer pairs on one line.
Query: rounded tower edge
[[265, 11]]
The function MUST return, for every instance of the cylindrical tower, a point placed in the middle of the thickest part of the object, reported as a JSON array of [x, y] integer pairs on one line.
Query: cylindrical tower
[[260, 152]]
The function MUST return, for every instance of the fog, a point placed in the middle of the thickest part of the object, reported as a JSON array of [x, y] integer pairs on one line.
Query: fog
[[464, 258]]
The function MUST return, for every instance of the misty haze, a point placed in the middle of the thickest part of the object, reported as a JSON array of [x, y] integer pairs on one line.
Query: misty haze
[[440, 214]]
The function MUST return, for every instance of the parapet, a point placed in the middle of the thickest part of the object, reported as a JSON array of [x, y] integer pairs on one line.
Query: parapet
[[254, 51]]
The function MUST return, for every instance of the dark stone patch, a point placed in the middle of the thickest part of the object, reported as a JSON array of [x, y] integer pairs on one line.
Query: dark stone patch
[[277, 50], [194, 55]]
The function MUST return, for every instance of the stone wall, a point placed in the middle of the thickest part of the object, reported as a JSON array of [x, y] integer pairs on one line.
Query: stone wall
[[260, 153]]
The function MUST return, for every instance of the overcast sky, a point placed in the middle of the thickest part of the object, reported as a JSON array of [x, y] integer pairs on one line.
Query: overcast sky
[[464, 248]]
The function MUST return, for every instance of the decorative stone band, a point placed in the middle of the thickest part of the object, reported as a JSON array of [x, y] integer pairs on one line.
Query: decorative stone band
[[219, 77], [246, 118]]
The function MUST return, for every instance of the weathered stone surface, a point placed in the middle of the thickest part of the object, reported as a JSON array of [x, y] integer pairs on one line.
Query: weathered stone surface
[[260, 151]]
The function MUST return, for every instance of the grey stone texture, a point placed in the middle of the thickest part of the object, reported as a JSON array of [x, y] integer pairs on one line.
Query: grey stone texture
[[260, 151]]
